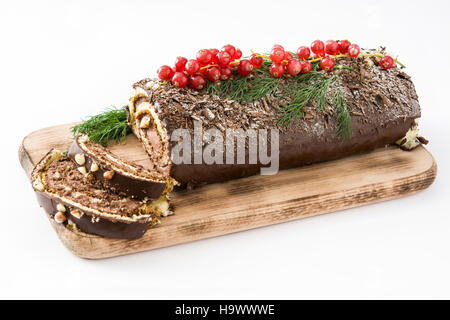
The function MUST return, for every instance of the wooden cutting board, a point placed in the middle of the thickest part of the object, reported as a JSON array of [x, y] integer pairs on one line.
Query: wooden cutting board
[[253, 202]]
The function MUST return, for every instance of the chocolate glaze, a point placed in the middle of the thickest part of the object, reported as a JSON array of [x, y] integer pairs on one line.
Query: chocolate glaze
[[296, 150], [103, 227], [120, 184]]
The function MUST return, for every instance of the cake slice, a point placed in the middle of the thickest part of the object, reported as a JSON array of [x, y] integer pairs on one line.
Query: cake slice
[[71, 196], [122, 177]]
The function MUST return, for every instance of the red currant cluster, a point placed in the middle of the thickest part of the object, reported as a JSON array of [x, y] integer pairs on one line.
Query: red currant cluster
[[217, 65], [284, 61], [326, 53], [213, 64]]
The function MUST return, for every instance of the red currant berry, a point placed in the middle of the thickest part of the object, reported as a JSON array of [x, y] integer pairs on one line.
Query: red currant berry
[[213, 74], [213, 51], [317, 47], [353, 50], [230, 49], [287, 56], [303, 53], [279, 46], [223, 58], [256, 61], [225, 73], [165, 73], [237, 54], [277, 54], [306, 66], [192, 67], [179, 80], [327, 63], [204, 56], [387, 62], [276, 70], [245, 67], [343, 46], [180, 63], [294, 67], [197, 82], [331, 47]]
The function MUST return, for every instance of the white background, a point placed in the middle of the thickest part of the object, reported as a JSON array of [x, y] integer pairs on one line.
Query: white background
[[63, 60]]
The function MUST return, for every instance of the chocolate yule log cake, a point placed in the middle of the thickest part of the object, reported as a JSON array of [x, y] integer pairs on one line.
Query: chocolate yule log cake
[[320, 103]]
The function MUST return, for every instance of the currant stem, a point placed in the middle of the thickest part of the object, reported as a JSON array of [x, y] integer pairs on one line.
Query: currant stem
[[209, 66], [266, 57], [259, 55], [370, 55]]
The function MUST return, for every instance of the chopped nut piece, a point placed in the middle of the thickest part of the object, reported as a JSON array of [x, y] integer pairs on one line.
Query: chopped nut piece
[[82, 170], [39, 186], [145, 122], [77, 213], [94, 167], [60, 217], [60, 207], [108, 175], [162, 206], [80, 159]]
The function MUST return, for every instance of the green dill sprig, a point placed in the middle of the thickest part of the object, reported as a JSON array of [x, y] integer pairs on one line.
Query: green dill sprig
[[295, 109], [110, 125], [322, 88], [261, 88], [245, 89], [342, 115], [234, 89], [316, 92], [312, 91]]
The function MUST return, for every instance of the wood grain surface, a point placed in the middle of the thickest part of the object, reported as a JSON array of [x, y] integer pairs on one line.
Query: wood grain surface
[[248, 203]]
